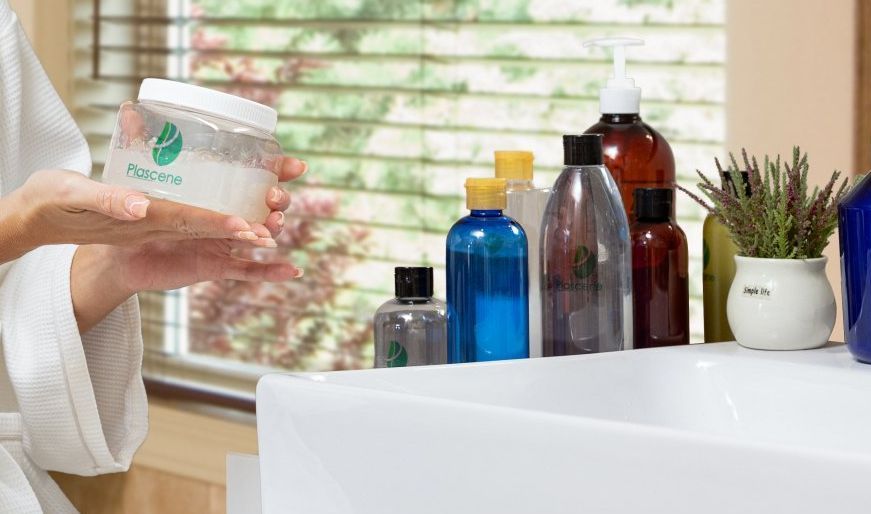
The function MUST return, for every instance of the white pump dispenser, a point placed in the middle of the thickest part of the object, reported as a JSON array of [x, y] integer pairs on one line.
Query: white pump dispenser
[[620, 96]]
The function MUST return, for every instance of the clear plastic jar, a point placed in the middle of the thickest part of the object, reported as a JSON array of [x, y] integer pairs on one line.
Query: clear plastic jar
[[193, 145]]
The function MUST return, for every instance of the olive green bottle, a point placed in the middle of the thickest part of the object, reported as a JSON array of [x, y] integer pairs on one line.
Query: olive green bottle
[[718, 258]]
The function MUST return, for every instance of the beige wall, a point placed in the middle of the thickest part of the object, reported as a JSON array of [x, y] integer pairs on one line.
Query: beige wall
[[48, 24], [791, 80]]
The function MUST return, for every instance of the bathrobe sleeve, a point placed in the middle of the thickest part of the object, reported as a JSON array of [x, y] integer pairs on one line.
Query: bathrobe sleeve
[[81, 397]]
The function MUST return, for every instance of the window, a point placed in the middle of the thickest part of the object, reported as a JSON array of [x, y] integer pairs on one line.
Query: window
[[393, 103]]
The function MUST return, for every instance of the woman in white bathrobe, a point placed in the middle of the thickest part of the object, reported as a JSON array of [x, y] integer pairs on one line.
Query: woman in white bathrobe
[[73, 255]]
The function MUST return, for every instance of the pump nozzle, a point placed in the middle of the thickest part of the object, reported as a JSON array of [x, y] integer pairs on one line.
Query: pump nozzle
[[620, 96]]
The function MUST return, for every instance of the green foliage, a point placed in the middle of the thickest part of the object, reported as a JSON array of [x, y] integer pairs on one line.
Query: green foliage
[[770, 213]]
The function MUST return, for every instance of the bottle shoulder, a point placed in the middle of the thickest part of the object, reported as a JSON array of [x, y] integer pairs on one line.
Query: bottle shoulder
[[664, 235], [578, 184], [859, 196], [713, 227], [474, 227], [397, 305], [637, 137]]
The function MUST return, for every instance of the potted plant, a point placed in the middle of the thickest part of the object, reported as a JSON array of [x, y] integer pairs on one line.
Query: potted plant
[[780, 298]]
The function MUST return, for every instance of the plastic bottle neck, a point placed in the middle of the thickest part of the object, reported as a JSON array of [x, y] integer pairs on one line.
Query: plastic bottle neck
[[415, 300], [486, 213], [620, 118], [519, 185]]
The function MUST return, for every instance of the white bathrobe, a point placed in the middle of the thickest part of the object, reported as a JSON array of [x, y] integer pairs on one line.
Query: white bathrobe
[[68, 402]]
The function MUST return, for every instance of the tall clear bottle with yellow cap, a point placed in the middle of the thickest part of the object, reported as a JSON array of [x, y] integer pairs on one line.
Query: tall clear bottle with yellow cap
[[487, 279], [526, 205]]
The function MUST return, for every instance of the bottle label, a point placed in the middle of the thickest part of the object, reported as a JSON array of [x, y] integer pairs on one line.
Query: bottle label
[[756, 291], [168, 145], [585, 262], [583, 273], [397, 357]]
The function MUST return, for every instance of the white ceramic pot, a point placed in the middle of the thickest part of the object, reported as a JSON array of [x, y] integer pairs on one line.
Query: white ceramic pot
[[781, 304]]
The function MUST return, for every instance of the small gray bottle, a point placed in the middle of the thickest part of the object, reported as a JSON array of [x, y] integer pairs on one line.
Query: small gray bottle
[[411, 329]]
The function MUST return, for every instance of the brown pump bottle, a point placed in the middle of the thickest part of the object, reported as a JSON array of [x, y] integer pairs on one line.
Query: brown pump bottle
[[636, 154]]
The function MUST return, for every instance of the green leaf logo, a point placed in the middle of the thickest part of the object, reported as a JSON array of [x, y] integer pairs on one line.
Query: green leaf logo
[[397, 357], [168, 145], [585, 262]]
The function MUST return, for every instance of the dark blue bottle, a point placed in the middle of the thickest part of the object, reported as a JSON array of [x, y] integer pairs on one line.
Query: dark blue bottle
[[854, 229], [488, 300]]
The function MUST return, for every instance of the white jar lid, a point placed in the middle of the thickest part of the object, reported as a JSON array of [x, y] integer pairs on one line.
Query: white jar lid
[[207, 100]]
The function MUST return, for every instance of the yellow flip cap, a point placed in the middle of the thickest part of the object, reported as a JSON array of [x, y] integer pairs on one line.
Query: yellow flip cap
[[485, 193], [514, 165]]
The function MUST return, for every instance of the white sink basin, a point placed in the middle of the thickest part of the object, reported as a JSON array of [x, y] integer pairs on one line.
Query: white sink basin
[[701, 429]]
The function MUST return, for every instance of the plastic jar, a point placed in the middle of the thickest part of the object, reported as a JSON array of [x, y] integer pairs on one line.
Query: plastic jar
[[196, 146]]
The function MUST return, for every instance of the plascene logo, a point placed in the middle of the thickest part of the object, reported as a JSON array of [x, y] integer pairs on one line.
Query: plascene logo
[[585, 262], [397, 357], [584, 265], [138, 172], [168, 145], [166, 150]]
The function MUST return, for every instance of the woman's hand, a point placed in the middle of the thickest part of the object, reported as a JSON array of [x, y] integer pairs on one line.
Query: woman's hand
[[131, 243], [59, 206], [104, 276], [160, 264]]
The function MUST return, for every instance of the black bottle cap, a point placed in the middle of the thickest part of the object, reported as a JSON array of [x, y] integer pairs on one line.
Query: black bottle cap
[[653, 203], [413, 282], [583, 150]]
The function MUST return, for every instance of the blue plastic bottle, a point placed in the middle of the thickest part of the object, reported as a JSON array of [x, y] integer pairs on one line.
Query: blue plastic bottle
[[488, 301], [854, 232]]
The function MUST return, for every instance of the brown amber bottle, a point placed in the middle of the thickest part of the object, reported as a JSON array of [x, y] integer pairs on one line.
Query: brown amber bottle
[[635, 153], [659, 272]]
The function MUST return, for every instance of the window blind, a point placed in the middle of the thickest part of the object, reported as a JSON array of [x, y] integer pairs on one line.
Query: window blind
[[393, 103]]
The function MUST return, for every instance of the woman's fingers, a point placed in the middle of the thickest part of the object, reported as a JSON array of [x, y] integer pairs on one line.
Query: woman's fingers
[[188, 222], [241, 269], [277, 199], [275, 223], [132, 124], [264, 236], [113, 201], [291, 168]]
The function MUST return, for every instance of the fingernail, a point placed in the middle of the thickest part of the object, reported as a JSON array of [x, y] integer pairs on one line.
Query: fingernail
[[304, 168], [280, 219], [136, 205], [275, 195], [246, 235], [267, 242], [300, 272]]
